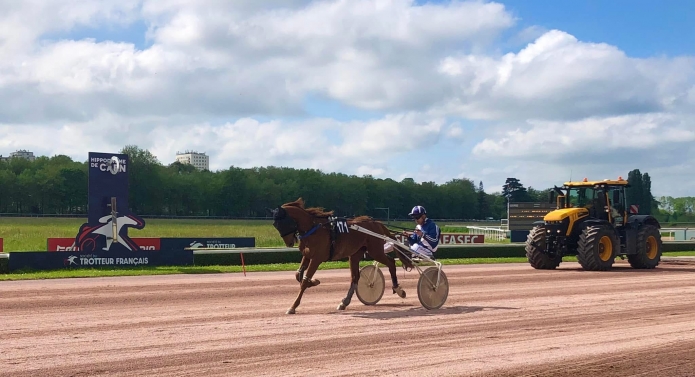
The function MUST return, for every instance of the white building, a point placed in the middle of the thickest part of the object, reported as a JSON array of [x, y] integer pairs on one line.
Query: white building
[[20, 154], [199, 160]]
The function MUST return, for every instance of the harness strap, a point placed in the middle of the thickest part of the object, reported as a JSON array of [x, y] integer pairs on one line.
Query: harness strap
[[310, 232]]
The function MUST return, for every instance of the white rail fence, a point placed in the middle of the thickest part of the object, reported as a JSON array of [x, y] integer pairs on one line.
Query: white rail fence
[[490, 233], [678, 234]]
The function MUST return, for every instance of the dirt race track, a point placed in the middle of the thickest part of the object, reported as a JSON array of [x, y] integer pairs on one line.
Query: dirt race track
[[499, 320]]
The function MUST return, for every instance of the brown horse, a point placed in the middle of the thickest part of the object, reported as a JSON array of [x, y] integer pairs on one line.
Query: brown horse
[[311, 226]]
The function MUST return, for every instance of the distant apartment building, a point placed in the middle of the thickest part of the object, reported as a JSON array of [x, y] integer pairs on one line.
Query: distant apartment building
[[200, 161], [20, 154]]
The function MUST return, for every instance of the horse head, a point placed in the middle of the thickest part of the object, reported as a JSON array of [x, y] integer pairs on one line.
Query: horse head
[[290, 220]]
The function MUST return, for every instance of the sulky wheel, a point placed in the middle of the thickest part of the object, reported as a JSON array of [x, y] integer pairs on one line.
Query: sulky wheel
[[371, 285], [430, 297]]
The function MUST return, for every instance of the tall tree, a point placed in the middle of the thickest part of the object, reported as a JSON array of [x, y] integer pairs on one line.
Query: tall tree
[[647, 198], [483, 206], [634, 192], [514, 190]]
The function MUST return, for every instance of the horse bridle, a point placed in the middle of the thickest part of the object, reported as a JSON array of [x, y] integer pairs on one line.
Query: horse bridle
[[286, 225]]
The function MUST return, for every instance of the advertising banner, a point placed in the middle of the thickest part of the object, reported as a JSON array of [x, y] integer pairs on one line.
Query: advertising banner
[[1, 245], [68, 244], [39, 260], [207, 242], [451, 238]]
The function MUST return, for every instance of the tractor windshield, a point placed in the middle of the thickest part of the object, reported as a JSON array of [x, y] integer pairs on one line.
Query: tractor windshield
[[582, 197]]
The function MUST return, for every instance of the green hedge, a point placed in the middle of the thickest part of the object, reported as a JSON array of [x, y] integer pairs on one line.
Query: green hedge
[[680, 246]]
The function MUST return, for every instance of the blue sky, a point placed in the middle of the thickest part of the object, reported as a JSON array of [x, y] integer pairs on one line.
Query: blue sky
[[533, 90], [640, 28]]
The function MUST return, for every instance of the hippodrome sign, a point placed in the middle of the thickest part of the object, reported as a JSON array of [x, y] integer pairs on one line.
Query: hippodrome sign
[[451, 238], [109, 215]]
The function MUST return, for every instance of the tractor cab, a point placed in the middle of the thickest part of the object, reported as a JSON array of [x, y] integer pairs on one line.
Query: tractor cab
[[604, 200]]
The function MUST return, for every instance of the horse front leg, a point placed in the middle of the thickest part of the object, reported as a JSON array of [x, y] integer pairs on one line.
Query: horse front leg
[[306, 283], [355, 273], [302, 267], [299, 275]]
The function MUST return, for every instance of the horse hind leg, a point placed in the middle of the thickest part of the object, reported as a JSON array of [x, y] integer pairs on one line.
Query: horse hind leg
[[382, 258], [355, 273]]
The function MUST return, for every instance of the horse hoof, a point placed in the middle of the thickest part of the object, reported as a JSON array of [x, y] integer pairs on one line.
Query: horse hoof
[[400, 292], [298, 277], [290, 311], [315, 282], [341, 307]]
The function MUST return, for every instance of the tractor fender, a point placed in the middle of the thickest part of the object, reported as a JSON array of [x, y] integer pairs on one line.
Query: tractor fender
[[636, 221], [594, 222]]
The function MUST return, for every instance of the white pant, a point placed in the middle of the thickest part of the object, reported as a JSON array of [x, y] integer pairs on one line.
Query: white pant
[[415, 248], [419, 249]]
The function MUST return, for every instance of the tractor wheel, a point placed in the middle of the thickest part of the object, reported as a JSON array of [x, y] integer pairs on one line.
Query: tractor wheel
[[535, 251], [648, 248], [597, 248]]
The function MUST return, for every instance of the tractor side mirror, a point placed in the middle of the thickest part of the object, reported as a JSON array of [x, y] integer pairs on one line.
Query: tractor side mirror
[[562, 201], [551, 196]]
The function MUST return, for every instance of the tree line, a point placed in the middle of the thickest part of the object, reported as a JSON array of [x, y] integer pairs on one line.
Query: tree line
[[58, 185]]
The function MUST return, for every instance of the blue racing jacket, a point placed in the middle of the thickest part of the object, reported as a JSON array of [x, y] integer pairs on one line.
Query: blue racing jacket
[[430, 236]]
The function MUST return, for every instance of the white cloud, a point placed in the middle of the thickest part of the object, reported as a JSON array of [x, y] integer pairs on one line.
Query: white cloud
[[455, 132], [393, 134], [22, 22], [235, 59], [231, 77], [559, 77], [544, 153], [368, 170], [591, 135]]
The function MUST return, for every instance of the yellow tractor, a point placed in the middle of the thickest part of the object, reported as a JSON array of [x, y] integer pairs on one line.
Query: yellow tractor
[[592, 222]]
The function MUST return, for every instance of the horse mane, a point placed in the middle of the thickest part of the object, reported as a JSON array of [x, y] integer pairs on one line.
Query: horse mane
[[360, 219], [314, 211]]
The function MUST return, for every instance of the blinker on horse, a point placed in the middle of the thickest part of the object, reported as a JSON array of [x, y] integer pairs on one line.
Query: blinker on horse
[[320, 242]]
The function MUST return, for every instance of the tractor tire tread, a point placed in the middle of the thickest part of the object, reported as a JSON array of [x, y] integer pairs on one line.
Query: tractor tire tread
[[641, 260], [587, 248], [535, 253]]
